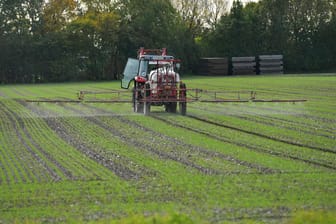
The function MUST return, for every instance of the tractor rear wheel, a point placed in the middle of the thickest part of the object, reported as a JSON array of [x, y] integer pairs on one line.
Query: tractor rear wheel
[[133, 100]]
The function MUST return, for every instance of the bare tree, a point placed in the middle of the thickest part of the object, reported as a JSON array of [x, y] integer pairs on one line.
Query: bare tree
[[214, 10]]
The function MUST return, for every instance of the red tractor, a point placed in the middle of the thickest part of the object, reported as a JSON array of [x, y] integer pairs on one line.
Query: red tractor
[[156, 82]]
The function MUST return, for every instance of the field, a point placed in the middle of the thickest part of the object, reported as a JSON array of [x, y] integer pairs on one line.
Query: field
[[229, 162]]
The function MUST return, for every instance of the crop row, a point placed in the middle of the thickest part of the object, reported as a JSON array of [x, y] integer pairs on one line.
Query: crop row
[[273, 130], [112, 143], [221, 162], [53, 158], [262, 142], [20, 162], [165, 147], [76, 138], [291, 117], [224, 141]]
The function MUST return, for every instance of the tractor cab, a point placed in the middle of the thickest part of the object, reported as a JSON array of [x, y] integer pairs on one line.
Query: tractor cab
[[148, 60], [156, 83]]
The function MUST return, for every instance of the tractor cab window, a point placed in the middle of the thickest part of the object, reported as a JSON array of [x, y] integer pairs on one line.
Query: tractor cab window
[[130, 71], [143, 70]]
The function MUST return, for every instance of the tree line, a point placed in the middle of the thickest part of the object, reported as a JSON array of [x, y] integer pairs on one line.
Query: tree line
[[71, 40]]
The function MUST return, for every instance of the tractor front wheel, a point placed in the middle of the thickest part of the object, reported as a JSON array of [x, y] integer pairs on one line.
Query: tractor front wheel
[[139, 107], [183, 99], [171, 107], [147, 103], [134, 103], [146, 108]]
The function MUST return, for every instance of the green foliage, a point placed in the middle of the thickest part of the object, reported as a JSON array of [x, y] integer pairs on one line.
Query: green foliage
[[239, 30], [63, 40], [296, 29], [94, 36], [57, 14]]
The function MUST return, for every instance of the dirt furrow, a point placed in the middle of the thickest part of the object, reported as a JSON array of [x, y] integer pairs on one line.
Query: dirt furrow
[[153, 149], [92, 152], [250, 147], [267, 120], [293, 128], [262, 135], [305, 115], [186, 146], [305, 125], [62, 132], [211, 154]]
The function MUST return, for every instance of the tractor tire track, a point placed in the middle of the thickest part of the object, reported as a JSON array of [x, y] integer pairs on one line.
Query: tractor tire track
[[211, 154], [310, 126], [296, 122], [294, 128], [301, 115], [184, 145], [61, 131], [253, 148], [282, 125], [262, 135], [152, 150], [140, 145]]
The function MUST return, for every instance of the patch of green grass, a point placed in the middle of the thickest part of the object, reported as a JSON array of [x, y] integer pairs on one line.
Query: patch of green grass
[[313, 217], [170, 158], [153, 219]]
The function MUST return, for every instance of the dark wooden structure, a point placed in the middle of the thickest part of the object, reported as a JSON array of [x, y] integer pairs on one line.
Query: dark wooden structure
[[213, 66], [244, 65], [271, 64]]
